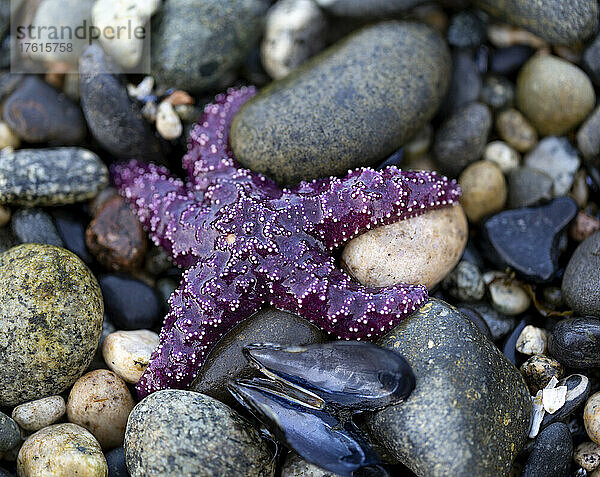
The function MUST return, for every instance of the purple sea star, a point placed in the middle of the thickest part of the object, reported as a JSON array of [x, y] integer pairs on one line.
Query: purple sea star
[[246, 242]]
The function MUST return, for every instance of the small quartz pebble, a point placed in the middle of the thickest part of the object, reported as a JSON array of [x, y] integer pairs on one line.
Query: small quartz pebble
[[35, 415], [532, 340], [516, 130], [101, 402], [168, 123], [591, 417], [539, 370], [587, 455], [508, 297], [501, 154], [61, 450], [553, 399], [127, 353], [484, 190]]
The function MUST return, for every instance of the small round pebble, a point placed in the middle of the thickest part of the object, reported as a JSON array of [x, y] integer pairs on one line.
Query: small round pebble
[[532, 340], [501, 154], [101, 402], [127, 353], [591, 417], [516, 130], [61, 450], [587, 455], [35, 415], [484, 190], [554, 94], [465, 282], [539, 370], [188, 434], [574, 342], [423, 249], [508, 298], [168, 123], [10, 436], [497, 92]]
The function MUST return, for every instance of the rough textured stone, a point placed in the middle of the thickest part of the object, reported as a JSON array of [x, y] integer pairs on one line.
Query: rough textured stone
[[464, 385], [226, 360], [51, 313], [419, 250], [191, 435], [10, 437], [581, 281], [353, 105], [35, 415]]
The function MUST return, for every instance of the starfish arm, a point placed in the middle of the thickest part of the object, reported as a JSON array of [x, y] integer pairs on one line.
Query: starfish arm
[[207, 304], [159, 201], [340, 209]]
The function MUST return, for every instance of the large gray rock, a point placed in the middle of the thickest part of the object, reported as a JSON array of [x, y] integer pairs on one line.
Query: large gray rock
[[469, 413], [581, 281], [352, 105], [196, 44]]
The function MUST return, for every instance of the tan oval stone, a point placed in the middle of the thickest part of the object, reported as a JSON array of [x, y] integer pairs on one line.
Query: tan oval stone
[[127, 353], [420, 250], [35, 415], [484, 190], [61, 450], [591, 417], [101, 402]]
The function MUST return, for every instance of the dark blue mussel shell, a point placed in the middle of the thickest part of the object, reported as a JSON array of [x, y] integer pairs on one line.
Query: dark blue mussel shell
[[349, 375], [315, 435]]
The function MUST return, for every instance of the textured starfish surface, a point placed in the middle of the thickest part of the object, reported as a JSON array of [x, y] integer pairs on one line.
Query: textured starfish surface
[[247, 242]]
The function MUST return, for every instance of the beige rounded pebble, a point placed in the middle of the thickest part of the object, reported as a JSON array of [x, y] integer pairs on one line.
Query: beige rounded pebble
[[7, 137], [35, 415], [554, 94], [484, 190], [501, 154], [591, 417], [587, 455], [532, 340], [61, 450], [508, 298], [168, 123], [515, 129], [420, 250], [127, 353], [101, 402]]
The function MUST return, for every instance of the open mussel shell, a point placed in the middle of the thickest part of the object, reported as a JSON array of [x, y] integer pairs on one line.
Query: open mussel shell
[[353, 375], [315, 435]]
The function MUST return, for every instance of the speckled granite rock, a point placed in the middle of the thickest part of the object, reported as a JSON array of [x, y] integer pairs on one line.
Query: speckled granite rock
[[51, 313], [185, 433], [226, 360], [55, 176], [556, 21], [469, 413], [62, 450], [352, 105]]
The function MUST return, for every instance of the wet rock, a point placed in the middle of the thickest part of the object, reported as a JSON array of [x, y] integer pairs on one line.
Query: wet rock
[[483, 190], [515, 129], [10, 437], [578, 390], [226, 360], [115, 236], [574, 342], [527, 239], [553, 20], [539, 370], [37, 112], [462, 138], [115, 459], [554, 94], [527, 187], [114, 120], [591, 417], [532, 340], [201, 436], [581, 281], [56, 176], [127, 353], [35, 226], [587, 455], [295, 30], [224, 31], [551, 454], [35, 415], [497, 92], [422, 249], [503, 155], [130, 303], [65, 449], [506, 61], [465, 282], [500, 325], [48, 296], [447, 352], [100, 402], [555, 157], [286, 131], [588, 138]]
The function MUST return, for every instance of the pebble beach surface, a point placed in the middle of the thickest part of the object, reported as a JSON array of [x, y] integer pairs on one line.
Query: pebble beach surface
[[482, 278]]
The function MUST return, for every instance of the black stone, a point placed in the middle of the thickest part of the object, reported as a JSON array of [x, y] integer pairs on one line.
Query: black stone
[[114, 120], [71, 228], [466, 30], [130, 303], [465, 84], [10, 435], [552, 453], [575, 342], [35, 226], [510, 345], [393, 160], [37, 112], [581, 281], [578, 390], [115, 459], [499, 325], [528, 239], [476, 318], [506, 61]]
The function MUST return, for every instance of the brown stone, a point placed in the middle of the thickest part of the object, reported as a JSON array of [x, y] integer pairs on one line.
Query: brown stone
[[115, 236], [583, 226]]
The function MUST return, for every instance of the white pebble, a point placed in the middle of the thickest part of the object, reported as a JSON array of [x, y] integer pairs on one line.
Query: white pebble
[[127, 353], [35, 415], [501, 154], [532, 340], [168, 123], [143, 89]]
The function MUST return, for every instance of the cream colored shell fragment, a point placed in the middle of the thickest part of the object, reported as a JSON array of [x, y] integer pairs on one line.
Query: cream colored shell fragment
[[127, 353]]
